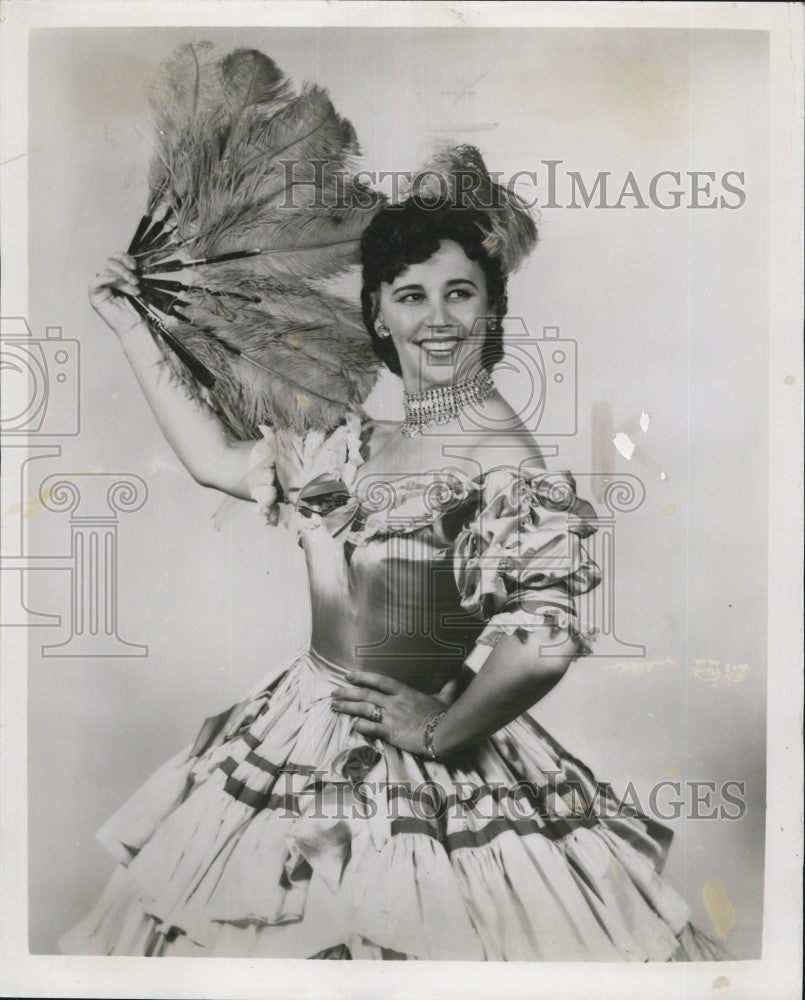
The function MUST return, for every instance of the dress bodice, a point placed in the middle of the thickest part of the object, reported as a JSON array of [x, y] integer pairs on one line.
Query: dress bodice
[[384, 593], [408, 573]]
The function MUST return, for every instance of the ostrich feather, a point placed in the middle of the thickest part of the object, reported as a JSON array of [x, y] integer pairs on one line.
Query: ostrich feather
[[318, 358], [251, 204], [184, 95]]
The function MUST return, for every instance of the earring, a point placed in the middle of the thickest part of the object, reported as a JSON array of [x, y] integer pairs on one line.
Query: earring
[[382, 329]]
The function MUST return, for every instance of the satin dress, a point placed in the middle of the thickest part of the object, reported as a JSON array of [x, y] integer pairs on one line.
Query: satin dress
[[283, 833]]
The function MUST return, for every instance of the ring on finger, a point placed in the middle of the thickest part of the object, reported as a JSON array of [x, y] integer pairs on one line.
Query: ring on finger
[[377, 714]]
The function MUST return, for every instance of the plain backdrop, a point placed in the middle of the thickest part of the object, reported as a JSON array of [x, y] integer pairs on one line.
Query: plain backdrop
[[669, 313]]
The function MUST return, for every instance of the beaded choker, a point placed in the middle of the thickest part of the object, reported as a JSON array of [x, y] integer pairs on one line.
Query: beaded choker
[[442, 403]]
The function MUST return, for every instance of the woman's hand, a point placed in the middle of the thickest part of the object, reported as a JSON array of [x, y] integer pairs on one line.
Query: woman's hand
[[404, 710], [200, 439], [108, 290]]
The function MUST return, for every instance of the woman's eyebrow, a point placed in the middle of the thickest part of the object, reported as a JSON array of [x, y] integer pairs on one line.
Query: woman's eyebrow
[[461, 281], [447, 284]]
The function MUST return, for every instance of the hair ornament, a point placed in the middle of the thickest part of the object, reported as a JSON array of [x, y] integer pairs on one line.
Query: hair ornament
[[458, 175]]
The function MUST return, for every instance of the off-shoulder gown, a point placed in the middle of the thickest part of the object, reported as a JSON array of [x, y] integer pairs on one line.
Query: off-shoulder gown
[[282, 833]]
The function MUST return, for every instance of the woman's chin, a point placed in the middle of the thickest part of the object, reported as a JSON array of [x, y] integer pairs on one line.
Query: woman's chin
[[443, 367]]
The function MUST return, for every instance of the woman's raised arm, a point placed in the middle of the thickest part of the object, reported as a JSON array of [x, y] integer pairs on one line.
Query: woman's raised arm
[[211, 455]]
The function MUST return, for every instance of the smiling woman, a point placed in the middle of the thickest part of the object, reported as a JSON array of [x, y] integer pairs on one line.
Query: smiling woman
[[366, 799]]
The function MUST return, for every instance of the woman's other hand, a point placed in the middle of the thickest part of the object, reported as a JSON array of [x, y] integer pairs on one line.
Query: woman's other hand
[[404, 710], [108, 291]]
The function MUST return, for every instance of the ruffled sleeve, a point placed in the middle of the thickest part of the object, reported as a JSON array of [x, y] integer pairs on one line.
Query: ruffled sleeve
[[520, 562]]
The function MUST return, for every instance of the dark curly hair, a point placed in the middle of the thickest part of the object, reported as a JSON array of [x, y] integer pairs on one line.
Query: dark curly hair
[[411, 233]]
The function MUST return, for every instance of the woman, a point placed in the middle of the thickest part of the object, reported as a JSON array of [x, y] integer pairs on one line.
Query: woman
[[379, 798]]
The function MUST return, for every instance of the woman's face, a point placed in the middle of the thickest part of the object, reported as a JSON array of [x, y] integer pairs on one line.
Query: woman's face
[[436, 312]]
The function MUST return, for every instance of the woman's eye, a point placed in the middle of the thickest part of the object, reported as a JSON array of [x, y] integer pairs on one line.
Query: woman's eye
[[455, 294]]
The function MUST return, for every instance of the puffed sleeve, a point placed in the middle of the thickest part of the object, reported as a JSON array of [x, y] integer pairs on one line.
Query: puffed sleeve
[[519, 561]]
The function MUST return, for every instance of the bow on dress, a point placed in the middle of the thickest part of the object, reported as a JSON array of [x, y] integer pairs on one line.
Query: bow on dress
[[328, 497]]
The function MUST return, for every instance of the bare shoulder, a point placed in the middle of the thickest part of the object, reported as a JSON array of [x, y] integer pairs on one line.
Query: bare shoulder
[[509, 450], [507, 442]]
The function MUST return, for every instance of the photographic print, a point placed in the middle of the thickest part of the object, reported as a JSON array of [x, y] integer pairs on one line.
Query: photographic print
[[396, 559]]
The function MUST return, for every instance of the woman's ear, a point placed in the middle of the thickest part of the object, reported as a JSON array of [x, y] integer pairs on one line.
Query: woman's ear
[[380, 325], [375, 300]]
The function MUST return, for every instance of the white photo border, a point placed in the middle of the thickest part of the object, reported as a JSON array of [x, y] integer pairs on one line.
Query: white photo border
[[776, 974]]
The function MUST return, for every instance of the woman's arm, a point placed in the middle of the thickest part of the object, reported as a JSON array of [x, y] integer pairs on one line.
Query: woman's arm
[[513, 679], [211, 455], [515, 676]]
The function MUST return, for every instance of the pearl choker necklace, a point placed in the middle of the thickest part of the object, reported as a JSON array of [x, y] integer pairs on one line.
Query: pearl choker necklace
[[442, 403]]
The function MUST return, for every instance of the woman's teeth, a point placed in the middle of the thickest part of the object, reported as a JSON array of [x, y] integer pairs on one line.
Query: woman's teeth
[[442, 347]]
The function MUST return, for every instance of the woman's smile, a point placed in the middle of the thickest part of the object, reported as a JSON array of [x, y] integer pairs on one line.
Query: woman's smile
[[441, 346]]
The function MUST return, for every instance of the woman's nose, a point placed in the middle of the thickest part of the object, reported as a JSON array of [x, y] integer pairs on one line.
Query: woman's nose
[[439, 315]]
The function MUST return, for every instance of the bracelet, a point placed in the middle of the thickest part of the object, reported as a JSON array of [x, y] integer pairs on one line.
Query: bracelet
[[430, 729]]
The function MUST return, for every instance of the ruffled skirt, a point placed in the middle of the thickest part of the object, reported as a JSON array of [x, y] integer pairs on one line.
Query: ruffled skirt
[[282, 834]]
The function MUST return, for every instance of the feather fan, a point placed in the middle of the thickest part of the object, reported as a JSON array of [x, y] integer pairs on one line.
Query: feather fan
[[251, 206]]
